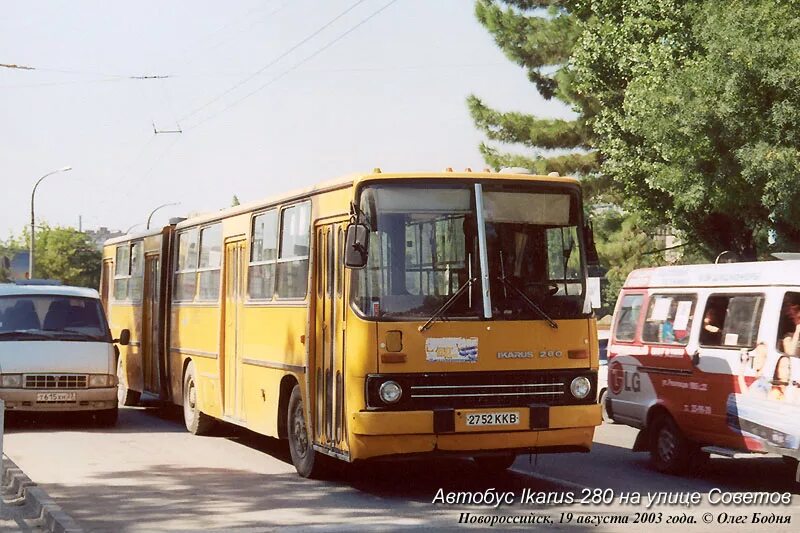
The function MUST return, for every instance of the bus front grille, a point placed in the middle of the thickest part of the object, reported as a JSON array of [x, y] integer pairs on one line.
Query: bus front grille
[[479, 389], [56, 381]]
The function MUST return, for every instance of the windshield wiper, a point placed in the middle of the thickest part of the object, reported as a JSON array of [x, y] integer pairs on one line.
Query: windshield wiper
[[507, 283], [80, 334], [439, 313], [25, 334]]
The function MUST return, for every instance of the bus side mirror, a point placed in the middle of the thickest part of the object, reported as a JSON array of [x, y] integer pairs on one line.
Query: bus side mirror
[[356, 246], [124, 337], [592, 258]]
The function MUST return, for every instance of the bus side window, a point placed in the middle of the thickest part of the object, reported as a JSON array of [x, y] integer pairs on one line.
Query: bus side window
[[628, 318]]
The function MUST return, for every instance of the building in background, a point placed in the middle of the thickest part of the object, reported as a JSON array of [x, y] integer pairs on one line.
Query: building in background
[[101, 235]]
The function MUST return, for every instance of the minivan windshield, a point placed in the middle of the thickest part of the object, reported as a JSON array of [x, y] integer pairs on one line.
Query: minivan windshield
[[425, 247], [52, 317]]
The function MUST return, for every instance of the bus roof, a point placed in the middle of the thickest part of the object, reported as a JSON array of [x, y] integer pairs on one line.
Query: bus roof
[[355, 179], [763, 273], [12, 289]]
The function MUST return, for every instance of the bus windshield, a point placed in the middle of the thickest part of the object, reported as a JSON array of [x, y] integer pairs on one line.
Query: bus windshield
[[425, 246], [52, 317]]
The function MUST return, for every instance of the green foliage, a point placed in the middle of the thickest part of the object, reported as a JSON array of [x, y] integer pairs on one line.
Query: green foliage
[[538, 36], [235, 201], [700, 120], [65, 254]]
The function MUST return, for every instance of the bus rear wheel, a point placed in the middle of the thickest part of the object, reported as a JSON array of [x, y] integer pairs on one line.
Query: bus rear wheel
[[494, 464], [197, 422], [669, 450], [306, 461]]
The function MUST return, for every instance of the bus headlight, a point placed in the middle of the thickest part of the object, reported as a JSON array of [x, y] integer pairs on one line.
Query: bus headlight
[[102, 380], [580, 387], [390, 392], [11, 381]]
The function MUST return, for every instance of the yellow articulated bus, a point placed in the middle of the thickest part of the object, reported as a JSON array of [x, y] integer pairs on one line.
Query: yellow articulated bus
[[380, 315]]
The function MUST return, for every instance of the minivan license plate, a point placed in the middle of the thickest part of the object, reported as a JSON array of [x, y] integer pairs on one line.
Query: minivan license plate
[[56, 397], [493, 419]]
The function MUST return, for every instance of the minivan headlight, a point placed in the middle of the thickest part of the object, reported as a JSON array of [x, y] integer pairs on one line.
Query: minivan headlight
[[580, 387], [102, 380], [11, 381]]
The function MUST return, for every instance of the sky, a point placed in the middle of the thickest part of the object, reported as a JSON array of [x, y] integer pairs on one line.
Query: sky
[[270, 96]]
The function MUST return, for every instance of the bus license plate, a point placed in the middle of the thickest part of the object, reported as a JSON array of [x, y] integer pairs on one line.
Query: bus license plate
[[56, 397], [493, 419]]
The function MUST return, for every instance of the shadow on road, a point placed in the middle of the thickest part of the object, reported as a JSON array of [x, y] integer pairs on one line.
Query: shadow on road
[[26, 421]]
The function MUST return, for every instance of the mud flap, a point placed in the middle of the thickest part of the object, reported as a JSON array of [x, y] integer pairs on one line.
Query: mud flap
[[642, 443]]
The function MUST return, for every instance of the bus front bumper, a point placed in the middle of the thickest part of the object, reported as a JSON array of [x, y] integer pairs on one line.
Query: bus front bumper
[[59, 400], [568, 428]]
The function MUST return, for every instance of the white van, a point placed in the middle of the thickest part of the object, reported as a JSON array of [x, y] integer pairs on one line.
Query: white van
[[56, 351], [706, 359]]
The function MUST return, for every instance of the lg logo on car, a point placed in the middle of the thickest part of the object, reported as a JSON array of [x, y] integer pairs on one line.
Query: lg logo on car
[[550, 353]]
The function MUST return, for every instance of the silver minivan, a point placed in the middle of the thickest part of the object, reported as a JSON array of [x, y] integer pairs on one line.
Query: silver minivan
[[56, 351]]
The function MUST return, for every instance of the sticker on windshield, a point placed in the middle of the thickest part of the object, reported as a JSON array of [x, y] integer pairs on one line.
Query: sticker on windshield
[[452, 350]]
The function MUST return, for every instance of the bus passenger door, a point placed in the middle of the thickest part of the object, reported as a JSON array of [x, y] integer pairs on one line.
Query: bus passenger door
[[231, 357], [328, 361], [150, 331]]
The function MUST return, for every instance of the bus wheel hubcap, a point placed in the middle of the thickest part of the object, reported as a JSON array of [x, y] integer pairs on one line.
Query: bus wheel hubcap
[[192, 395], [301, 439]]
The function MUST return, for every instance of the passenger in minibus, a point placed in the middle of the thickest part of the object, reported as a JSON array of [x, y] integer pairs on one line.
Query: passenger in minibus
[[790, 326], [711, 334]]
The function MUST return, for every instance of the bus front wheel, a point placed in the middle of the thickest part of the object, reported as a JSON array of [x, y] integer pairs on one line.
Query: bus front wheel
[[669, 450], [197, 422], [304, 458]]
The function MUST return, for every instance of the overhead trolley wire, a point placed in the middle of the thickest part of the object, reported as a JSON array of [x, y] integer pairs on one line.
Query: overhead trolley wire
[[272, 62], [296, 65]]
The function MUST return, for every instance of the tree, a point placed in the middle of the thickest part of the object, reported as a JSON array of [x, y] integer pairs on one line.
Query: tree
[[538, 36], [65, 254], [235, 201], [700, 119]]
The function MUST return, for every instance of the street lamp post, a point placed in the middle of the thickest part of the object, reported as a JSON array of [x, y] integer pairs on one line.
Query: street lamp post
[[156, 209], [33, 229]]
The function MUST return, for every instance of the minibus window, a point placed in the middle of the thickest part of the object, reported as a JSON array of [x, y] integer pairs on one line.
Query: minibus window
[[731, 321], [789, 329], [628, 317], [669, 319], [52, 317]]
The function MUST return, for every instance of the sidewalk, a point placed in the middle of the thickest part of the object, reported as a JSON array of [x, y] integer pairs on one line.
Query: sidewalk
[[25, 507]]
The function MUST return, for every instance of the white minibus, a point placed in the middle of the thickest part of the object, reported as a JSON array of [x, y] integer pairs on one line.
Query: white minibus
[[56, 351], [706, 359]]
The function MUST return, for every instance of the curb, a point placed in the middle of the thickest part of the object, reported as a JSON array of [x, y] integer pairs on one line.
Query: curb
[[19, 487]]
